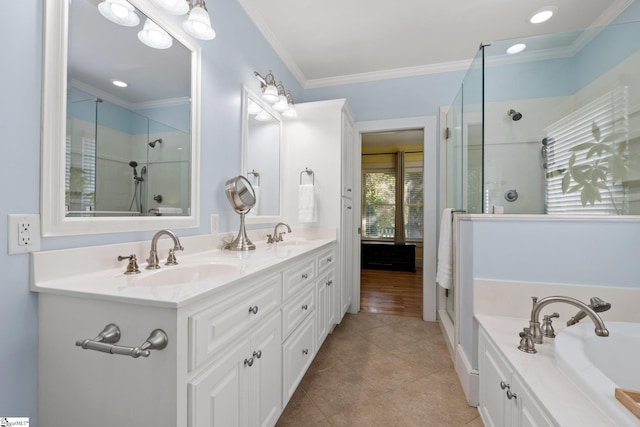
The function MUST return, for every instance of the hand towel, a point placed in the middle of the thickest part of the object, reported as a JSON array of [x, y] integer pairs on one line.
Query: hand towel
[[444, 275], [307, 204], [166, 210]]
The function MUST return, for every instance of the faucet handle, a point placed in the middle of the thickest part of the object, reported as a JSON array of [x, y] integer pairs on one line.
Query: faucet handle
[[270, 239], [547, 327], [132, 267], [526, 341], [171, 259]]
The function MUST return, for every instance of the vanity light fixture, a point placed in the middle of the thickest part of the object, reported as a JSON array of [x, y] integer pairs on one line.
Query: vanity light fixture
[[198, 24], [174, 7], [516, 48], [120, 12], [283, 104], [291, 112], [542, 15], [154, 36], [268, 86]]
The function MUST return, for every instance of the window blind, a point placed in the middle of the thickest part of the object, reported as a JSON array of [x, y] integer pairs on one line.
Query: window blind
[[609, 115]]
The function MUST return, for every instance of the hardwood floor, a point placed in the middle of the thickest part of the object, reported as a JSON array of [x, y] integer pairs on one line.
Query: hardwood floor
[[391, 292]]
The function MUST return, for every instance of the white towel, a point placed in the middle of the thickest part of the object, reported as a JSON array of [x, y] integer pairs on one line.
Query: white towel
[[444, 276], [166, 210], [255, 210], [307, 204]]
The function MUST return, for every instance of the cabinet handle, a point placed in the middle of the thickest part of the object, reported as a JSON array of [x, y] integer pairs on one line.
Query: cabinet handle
[[349, 207], [503, 385], [257, 354], [305, 351], [349, 190], [511, 395], [305, 307], [305, 276], [253, 309], [330, 282], [248, 362], [329, 259]]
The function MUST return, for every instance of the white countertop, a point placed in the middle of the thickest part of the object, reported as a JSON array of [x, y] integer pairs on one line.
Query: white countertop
[[149, 287], [562, 399]]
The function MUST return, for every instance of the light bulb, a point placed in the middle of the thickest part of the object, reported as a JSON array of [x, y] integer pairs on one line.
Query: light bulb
[[282, 105], [198, 24], [154, 36], [263, 116], [119, 12]]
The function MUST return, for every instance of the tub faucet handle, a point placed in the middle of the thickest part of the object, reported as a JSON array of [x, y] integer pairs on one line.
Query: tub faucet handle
[[526, 341], [547, 327]]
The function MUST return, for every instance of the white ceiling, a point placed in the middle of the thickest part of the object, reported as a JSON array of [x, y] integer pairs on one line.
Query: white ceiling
[[344, 41]]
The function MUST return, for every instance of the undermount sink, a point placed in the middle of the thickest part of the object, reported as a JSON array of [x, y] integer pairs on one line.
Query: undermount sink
[[179, 274]]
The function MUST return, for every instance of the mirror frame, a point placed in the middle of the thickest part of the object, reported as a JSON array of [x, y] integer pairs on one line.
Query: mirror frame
[[53, 132], [246, 94]]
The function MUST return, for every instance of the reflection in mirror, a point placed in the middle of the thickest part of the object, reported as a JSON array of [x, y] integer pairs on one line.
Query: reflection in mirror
[[262, 130], [111, 151]]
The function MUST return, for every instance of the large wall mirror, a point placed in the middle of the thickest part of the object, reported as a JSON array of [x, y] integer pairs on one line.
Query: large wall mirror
[[261, 149], [118, 158]]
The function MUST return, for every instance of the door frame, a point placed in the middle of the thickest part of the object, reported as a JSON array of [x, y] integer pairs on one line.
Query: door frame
[[430, 165]]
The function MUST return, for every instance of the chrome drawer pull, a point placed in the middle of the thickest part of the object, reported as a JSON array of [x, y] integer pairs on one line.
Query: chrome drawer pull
[[503, 385], [257, 354], [305, 276], [329, 259], [511, 395], [330, 282], [248, 362], [305, 307], [253, 309], [305, 351]]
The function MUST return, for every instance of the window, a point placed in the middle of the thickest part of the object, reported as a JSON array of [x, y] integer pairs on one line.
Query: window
[[380, 194]]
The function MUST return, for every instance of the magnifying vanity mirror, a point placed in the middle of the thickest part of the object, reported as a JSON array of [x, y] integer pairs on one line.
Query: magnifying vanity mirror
[[261, 154], [242, 197], [118, 158]]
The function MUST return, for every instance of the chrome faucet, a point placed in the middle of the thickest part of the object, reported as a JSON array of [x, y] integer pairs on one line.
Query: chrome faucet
[[277, 237], [152, 262], [534, 323]]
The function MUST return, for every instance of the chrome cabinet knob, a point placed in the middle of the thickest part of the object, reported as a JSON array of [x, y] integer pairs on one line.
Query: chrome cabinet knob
[[248, 362], [503, 385], [511, 395], [305, 307], [257, 354], [253, 309], [305, 351], [330, 282], [305, 276]]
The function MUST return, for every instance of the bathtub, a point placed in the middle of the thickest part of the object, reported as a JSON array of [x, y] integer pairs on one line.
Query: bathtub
[[600, 364]]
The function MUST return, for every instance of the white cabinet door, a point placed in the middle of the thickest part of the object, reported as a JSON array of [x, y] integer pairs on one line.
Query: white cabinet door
[[346, 255], [529, 413], [321, 312], [297, 353], [219, 396], [333, 300], [265, 385], [494, 378], [347, 155]]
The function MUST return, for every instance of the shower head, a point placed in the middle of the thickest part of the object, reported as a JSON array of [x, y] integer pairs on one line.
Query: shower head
[[152, 144], [515, 116], [134, 165]]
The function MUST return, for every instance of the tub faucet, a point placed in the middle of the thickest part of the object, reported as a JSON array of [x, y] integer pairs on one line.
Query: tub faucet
[[152, 262], [534, 323], [277, 237]]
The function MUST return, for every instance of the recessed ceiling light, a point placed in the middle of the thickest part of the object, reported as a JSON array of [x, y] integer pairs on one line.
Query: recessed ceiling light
[[516, 48], [119, 83], [542, 15]]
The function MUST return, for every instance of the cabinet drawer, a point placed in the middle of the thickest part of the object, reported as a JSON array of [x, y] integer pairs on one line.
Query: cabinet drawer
[[295, 311], [212, 328], [297, 353], [299, 276], [326, 260]]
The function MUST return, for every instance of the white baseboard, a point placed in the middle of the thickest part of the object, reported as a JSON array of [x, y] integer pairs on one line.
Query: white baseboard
[[448, 332], [468, 377]]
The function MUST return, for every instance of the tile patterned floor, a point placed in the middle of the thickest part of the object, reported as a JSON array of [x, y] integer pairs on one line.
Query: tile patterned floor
[[381, 370]]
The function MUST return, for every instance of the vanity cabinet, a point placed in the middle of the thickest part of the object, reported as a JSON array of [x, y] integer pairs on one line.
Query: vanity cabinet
[[234, 357], [243, 387], [504, 398]]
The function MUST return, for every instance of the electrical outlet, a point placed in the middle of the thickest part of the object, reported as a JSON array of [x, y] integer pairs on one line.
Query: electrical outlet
[[23, 233], [214, 223]]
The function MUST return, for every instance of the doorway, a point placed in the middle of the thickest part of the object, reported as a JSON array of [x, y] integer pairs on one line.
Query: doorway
[[421, 284]]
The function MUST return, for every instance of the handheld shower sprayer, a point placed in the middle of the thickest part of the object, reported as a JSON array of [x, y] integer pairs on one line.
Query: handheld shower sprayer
[[152, 144], [134, 165]]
